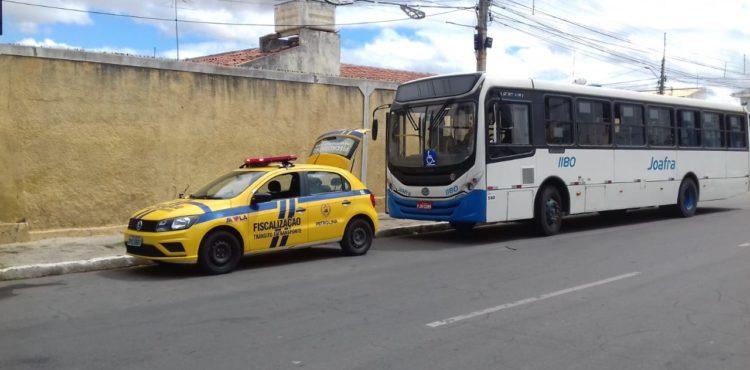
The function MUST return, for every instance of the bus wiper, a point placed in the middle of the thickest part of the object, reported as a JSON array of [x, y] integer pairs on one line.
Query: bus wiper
[[414, 125], [439, 116]]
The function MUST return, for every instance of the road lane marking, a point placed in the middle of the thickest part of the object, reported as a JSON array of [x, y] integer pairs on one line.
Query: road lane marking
[[744, 245], [529, 300]]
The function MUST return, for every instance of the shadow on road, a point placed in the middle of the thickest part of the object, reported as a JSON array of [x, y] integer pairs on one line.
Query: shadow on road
[[485, 234], [507, 232], [168, 271], [10, 290]]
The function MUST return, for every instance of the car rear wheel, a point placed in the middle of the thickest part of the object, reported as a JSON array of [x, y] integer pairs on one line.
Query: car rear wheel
[[219, 253], [357, 237]]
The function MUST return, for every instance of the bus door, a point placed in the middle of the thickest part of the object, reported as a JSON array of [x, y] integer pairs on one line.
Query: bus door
[[510, 162]]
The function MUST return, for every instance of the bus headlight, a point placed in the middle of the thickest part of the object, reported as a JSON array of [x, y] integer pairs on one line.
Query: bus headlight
[[471, 184]]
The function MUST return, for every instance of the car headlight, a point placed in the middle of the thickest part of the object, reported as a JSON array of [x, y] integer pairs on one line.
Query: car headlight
[[178, 223]]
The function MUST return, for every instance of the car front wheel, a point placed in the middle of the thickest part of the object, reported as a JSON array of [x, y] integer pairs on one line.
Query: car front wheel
[[219, 253]]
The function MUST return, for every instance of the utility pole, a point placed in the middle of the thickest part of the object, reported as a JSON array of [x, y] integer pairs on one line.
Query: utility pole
[[176, 31], [481, 40], [663, 77]]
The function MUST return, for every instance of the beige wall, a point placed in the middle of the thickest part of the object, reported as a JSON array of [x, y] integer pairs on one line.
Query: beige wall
[[84, 144]]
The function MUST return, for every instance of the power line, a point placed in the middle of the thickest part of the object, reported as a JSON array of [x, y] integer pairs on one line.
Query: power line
[[454, 9], [608, 34], [601, 49]]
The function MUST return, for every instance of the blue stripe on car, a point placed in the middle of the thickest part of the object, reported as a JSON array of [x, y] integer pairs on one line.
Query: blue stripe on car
[[200, 205], [292, 205], [235, 211], [324, 196], [282, 208], [213, 215]]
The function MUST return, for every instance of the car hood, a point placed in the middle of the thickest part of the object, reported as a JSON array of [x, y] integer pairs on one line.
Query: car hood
[[180, 207]]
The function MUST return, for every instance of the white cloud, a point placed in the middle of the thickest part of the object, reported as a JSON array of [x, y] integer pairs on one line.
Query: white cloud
[[49, 43], [30, 18], [46, 43], [192, 50]]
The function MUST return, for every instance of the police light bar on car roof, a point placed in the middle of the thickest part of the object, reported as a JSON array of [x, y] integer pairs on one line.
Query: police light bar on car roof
[[265, 161]]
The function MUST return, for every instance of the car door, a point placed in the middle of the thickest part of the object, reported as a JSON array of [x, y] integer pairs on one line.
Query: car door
[[328, 199], [285, 223], [337, 148]]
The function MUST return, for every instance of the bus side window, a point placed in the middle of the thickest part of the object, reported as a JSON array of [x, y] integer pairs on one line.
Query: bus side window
[[712, 132], [493, 112], [629, 125], [660, 126], [688, 124], [594, 122], [514, 123], [559, 120], [736, 132]]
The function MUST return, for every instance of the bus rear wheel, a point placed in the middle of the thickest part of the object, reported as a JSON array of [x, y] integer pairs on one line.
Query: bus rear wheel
[[549, 212], [687, 199]]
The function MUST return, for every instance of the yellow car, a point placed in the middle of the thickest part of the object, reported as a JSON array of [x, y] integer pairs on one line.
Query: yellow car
[[267, 204]]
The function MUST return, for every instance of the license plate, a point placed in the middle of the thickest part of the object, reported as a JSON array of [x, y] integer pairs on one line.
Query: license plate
[[135, 241], [424, 205]]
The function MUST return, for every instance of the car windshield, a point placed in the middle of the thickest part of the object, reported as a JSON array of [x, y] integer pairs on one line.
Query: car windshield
[[432, 135], [228, 186]]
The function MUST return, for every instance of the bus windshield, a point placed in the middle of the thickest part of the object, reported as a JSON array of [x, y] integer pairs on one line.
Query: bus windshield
[[432, 135]]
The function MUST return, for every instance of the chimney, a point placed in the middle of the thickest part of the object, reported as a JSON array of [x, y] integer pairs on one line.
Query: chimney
[[306, 30]]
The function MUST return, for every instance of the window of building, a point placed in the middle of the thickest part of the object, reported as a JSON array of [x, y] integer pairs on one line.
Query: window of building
[[630, 129], [660, 127], [689, 125], [594, 122], [736, 132], [559, 120], [712, 131]]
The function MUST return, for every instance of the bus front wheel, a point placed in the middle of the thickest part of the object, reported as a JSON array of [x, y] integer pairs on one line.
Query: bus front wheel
[[463, 228], [549, 212]]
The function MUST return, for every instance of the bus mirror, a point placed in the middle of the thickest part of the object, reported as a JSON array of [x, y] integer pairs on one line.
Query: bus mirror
[[375, 129]]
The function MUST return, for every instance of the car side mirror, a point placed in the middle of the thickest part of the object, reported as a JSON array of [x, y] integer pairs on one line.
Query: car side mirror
[[261, 198], [375, 129]]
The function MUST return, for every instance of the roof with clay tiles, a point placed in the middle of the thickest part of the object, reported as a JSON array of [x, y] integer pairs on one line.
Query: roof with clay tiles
[[240, 57]]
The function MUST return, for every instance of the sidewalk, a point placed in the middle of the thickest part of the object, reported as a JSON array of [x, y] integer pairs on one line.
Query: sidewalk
[[68, 255]]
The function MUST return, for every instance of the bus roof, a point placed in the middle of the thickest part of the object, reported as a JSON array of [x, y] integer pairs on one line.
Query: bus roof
[[602, 92]]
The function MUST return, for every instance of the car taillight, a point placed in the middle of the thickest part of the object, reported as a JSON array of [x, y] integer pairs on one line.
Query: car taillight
[[372, 199]]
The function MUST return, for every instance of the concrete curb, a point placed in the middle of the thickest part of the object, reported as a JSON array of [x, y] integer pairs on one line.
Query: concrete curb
[[60, 268], [122, 261]]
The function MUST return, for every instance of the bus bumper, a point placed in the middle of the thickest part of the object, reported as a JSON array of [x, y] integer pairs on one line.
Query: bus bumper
[[467, 207]]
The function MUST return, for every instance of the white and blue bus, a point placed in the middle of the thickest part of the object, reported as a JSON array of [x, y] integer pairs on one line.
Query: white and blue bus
[[469, 149]]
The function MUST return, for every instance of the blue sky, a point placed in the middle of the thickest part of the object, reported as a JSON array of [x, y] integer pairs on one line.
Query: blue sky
[[612, 43]]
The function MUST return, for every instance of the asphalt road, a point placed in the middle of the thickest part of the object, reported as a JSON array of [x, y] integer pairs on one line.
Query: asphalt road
[[641, 291]]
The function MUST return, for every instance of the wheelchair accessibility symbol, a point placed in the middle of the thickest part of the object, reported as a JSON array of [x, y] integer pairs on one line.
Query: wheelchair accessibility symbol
[[430, 157]]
